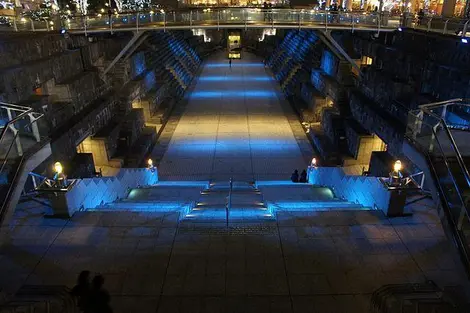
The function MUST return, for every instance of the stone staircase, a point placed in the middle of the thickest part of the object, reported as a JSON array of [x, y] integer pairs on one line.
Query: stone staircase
[[300, 197], [225, 202], [213, 204]]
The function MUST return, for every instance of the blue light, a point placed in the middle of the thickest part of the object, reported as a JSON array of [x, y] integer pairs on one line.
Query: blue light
[[234, 64], [234, 78], [233, 94], [62, 31], [464, 40], [399, 29]]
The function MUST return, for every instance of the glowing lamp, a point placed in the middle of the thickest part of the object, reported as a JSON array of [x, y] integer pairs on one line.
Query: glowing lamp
[[397, 166], [464, 40], [51, 23], [150, 162], [314, 162], [58, 168]]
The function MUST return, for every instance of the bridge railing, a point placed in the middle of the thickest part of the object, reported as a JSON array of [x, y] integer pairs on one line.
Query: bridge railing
[[205, 17], [438, 24]]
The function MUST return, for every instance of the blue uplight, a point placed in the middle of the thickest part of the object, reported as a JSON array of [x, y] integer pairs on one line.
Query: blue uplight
[[464, 40], [234, 78], [234, 64], [233, 94]]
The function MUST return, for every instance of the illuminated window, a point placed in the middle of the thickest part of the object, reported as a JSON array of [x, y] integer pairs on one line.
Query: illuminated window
[[366, 60]]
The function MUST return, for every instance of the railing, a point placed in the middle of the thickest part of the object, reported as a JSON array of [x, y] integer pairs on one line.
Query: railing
[[214, 18], [38, 298], [25, 132], [428, 130], [438, 24], [228, 207]]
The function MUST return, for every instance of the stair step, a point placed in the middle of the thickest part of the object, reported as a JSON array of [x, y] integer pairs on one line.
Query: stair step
[[221, 214], [315, 205]]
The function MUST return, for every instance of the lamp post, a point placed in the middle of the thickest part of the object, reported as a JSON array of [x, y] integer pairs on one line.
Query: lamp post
[[59, 177], [396, 177], [150, 165]]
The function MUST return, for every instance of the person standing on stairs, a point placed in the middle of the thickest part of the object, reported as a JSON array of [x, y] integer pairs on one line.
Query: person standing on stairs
[[303, 177], [230, 62], [295, 176]]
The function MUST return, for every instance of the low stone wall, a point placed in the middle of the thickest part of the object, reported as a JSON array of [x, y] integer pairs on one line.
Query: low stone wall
[[89, 193], [367, 191]]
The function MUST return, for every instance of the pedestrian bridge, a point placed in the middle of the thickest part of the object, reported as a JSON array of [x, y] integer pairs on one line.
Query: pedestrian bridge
[[228, 18]]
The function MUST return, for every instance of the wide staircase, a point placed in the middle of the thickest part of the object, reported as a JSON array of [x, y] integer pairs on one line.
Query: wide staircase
[[229, 202]]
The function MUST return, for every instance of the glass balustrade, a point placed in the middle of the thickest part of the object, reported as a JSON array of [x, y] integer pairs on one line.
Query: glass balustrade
[[202, 17], [428, 129]]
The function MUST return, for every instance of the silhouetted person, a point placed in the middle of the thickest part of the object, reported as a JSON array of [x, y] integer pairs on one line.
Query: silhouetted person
[[110, 14], [270, 14], [99, 297], [230, 62], [81, 291], [420, 17], [303, 177], [295, 176], [265, 10]]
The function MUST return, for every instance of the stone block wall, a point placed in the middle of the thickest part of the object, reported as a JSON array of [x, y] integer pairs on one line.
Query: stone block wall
[[354, 132], [367, 191], [88, 193], [332, 125], [377, 122]]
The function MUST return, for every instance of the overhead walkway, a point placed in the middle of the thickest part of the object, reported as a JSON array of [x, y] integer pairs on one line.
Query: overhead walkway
[[213, 19]]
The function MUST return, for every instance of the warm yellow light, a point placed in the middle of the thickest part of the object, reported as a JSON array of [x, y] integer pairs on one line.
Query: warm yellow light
[[151, 12], [23, 19], [397, 166], [150, 162], [69, 12], [58, 167], [51, 22], [99, 15], [102, 10], [314, 162]]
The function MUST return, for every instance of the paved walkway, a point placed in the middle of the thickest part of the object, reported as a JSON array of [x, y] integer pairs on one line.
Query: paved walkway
[[326, 262], [235, 125]]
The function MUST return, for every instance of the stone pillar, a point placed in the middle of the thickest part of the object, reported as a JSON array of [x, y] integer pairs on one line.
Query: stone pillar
[[348, 5], [448, 8]]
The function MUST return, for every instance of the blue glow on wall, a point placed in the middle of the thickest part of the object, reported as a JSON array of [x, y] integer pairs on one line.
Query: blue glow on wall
[[139, 64], [150, 81], [316, 80], [328, 63]]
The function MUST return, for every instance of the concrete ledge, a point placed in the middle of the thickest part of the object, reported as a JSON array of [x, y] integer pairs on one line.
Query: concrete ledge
[[89, 193], [364, 190]]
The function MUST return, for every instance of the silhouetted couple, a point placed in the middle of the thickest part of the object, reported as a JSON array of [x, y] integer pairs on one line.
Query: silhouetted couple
[[91, 297], [295, 177]]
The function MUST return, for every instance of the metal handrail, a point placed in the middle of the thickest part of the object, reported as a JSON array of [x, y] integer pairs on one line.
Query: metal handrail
[[460, 161], [228, 207], [4, 201], [15, 119]]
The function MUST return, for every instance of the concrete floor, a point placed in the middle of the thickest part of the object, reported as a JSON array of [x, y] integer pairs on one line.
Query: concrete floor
[[326, 262]]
